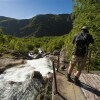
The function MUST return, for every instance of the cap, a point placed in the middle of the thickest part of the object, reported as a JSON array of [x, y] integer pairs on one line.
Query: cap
[[84, 28]]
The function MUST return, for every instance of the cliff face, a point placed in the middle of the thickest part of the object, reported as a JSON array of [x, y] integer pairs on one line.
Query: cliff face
[[40, 25]]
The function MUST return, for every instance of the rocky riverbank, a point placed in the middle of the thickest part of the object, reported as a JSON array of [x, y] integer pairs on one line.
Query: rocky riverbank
[[6, 63]]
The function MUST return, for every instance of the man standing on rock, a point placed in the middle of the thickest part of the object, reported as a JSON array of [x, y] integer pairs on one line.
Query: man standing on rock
[[81, 42], [63, 54]]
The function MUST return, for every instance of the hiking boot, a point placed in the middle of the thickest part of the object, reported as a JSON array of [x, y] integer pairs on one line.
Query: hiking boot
[[68, 77], [77, 81]]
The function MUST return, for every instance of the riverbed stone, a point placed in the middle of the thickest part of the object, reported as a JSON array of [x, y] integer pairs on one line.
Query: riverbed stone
[[27, 90]]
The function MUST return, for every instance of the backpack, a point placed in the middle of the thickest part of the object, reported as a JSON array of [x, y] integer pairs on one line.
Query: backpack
[[80, 45]]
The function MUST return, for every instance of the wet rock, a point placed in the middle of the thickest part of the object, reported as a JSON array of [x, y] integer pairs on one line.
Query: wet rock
[[28, 90], [1, 71], [38, 56], [37, 74], [49, 75], [6, 63], [56, 52]]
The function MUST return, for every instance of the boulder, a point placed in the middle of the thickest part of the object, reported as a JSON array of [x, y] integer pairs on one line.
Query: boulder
[[56, 52], [27, 90], [36, 74], [38, 56]]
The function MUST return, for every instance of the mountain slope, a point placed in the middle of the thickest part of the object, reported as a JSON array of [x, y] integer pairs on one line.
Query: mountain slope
[[40, 25]]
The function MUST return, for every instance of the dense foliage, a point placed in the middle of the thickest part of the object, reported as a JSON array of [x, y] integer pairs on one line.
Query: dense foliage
[[38, 26], [86, 12], [23, 45]]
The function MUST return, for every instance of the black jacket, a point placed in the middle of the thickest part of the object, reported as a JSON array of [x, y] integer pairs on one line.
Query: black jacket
[[83, 51]]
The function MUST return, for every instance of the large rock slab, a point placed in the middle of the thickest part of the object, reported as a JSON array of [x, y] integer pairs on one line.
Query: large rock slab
[[6, 63]]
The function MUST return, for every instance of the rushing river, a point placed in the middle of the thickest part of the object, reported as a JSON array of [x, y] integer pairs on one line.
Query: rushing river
[[23, 87]]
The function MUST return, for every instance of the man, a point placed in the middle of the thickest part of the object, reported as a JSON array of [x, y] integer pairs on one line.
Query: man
[[81, 42], [63, 54]]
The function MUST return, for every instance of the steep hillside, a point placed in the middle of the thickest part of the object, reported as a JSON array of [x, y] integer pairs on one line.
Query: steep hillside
[[12, 26], [87, 12], [38, 26]]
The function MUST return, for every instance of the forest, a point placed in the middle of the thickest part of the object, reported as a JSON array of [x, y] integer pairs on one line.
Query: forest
[[85, 12]]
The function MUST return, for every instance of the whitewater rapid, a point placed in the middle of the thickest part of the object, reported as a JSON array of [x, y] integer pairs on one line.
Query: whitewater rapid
[[22, 72]]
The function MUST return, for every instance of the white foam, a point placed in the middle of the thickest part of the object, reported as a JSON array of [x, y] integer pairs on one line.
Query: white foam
[[22, 72]]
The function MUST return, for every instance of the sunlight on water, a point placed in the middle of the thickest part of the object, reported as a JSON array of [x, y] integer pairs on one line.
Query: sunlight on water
[[22, 72]]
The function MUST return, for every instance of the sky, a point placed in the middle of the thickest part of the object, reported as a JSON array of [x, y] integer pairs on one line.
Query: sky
[[25, 9]]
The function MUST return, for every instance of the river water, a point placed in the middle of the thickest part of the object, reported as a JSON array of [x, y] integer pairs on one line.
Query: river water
[[22, 74]]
